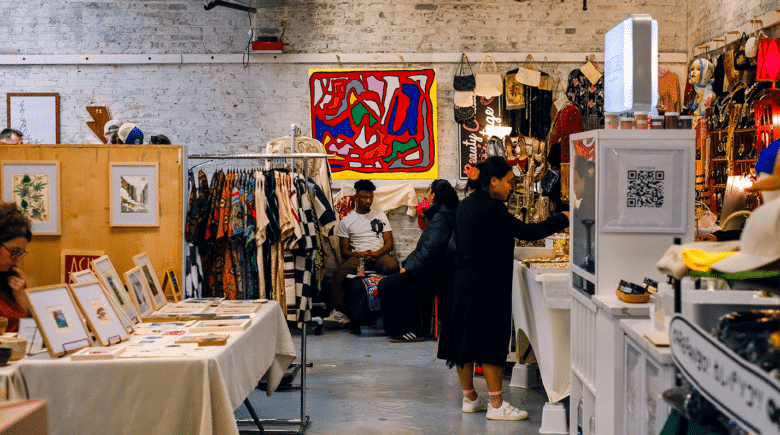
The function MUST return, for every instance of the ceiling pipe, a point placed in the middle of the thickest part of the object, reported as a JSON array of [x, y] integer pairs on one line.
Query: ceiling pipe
[[209, 5]]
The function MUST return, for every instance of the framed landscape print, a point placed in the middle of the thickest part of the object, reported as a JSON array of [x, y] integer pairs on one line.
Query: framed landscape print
[[134, 199], [139, 290], [158, 297], [36, 115], [35, 188], [58, 319], [104, 321], [110, 278]]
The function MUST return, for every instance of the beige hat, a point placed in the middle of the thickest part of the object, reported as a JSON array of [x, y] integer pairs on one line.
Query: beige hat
[[759, 244], [751, 47], [464, 98]]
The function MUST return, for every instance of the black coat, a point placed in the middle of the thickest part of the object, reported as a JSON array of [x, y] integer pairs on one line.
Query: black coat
[[476, 320], [434, 251]]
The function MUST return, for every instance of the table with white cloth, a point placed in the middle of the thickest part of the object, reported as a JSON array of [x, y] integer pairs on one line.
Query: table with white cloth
[[185, 395], [543, 313]]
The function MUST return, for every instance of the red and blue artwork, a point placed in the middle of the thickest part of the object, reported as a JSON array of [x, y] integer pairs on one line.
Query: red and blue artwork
[[376, 123]]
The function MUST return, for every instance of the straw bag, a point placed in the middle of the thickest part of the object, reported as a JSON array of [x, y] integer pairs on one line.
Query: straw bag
[[488, 80]]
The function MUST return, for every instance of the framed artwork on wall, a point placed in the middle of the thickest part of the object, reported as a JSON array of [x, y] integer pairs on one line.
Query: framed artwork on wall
[[139, 290], [93, 299], [158, 296], [36, 115], [134, 199], [35, 188], [110, 278], [58, 319]]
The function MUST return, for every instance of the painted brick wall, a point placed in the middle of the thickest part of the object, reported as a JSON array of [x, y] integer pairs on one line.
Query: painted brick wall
[[714, 18], [226, 107]]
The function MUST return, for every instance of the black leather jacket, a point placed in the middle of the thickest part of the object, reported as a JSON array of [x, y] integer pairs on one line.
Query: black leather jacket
[[435, 249]]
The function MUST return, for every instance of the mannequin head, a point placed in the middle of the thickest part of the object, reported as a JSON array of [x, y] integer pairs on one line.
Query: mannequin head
[[700, 73]]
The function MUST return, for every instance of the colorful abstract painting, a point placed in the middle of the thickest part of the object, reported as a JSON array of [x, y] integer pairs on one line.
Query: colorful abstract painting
[[376, 123]]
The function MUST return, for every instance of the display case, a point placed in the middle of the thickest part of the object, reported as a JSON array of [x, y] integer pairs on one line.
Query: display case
[[631, 194]]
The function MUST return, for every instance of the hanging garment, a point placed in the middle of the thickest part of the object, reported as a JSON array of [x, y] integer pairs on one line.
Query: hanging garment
[[669, 92], [228, 289], [567, 122], [588, 97]]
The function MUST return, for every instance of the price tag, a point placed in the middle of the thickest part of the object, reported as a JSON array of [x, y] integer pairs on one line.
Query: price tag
[[737, 388], [591, 72]]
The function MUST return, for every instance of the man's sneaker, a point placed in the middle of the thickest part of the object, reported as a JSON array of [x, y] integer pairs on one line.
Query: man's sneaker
[[409, 337], [480, 404], [336, 320], [505, 412]]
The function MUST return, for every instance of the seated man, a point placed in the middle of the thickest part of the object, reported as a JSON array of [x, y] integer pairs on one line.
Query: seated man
[[365, 234]]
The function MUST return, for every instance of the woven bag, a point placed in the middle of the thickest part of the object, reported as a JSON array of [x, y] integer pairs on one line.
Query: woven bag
[[489, 82]]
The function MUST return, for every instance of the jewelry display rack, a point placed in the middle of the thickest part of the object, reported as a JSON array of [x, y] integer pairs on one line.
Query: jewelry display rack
[[300, 425]]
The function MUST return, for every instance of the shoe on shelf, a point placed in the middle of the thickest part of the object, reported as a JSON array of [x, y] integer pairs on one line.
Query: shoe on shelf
[[480, 404], [505, 412], [409, 337], [336, 320]]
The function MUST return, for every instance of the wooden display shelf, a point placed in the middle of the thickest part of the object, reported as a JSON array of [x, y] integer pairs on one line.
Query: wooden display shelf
[[738, 130], [720, 159]]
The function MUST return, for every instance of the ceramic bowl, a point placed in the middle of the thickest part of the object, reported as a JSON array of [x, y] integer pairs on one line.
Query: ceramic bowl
[[5, 355], [17, 345]]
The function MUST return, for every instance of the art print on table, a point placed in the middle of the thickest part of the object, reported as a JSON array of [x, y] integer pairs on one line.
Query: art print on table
[[99, 311], [62, 325], [158, 297], [58, 319], [139, 290], [106, 273], [134, 199], [34, 187], [103, 319]]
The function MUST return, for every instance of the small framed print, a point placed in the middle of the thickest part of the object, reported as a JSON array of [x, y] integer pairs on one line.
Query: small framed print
[[134, 199], [139, 290], [110, 278], [87, 275], [36, 115], [93, 299], [58, 319], [158, 296], [221, 325], [169, 280], [35, 188]]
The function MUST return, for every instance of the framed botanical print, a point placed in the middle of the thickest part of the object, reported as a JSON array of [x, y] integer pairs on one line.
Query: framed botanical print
[[110, 278], [93, 299], [134, 199], [36, 115], [35, 188], [158, 297], [58, 319], [139, 290]]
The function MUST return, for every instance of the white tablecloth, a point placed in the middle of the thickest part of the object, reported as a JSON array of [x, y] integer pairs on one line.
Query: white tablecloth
[[162, 395], [547, 330]]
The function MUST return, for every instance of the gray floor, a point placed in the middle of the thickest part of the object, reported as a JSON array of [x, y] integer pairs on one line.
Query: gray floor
[[367, 385]]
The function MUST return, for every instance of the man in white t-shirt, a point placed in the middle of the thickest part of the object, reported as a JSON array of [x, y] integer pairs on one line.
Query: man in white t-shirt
[[366, 234]]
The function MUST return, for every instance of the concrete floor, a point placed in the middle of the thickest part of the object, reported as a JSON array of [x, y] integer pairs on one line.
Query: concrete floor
[[369, 386]]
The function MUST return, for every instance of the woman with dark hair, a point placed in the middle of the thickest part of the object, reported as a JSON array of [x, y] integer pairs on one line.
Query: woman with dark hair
[[476, 321], [426, 271], [15, 234]]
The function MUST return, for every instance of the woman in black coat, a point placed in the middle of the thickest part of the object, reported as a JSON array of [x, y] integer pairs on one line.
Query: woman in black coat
[[426, 271], [476, 323]]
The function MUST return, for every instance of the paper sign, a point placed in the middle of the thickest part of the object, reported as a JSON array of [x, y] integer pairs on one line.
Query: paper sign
[[591, 72], [737, 388]]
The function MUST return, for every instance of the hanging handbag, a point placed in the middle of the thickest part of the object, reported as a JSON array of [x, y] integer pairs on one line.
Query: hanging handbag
[[741, 61], [465, 114], [463, 81], [489, 82], [515, 92]]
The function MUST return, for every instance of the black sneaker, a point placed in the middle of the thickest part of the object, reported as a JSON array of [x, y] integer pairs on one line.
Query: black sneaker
[[409, 337]]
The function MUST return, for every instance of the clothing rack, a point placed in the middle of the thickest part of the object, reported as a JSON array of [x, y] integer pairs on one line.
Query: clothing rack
[[303, 422]]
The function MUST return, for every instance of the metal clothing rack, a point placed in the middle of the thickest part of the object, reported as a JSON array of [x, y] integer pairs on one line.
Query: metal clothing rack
[[303, 422]]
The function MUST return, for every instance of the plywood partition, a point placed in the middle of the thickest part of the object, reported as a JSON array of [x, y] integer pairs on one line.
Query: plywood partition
[[85, 211]]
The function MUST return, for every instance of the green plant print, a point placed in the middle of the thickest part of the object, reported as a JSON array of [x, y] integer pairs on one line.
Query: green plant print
[[31, 194]]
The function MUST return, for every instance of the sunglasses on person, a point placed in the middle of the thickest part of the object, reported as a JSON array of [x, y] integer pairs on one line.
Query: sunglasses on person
[[16, 253]]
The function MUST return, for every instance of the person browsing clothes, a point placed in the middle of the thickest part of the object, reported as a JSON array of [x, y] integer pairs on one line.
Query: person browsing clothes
[[15, 234], [363, 234], [426, 272], [476, 321]]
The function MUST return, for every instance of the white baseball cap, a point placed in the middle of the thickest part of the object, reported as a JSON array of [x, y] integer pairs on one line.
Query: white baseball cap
[[112, 124], [759, 244]]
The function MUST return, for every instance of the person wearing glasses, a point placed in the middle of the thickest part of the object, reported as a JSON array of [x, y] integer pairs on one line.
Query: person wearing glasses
[[15, 234]]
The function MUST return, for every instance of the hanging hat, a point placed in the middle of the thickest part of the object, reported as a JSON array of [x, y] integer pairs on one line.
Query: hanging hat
[[759, 244], [130, 134], [111, 126]]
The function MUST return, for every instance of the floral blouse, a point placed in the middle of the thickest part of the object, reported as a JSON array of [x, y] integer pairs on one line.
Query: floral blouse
[[587, 97]]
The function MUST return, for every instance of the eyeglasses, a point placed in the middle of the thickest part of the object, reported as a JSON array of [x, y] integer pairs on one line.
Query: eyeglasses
[[16, 253]]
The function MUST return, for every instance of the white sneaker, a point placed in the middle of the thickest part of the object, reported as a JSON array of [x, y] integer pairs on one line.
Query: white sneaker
[[336, 320], [505, 412], [479, 404]]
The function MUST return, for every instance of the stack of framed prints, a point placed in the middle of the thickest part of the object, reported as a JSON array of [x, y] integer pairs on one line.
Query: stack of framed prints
[[158, 297], [140, 294], [58, 319], [220, 325], [103, 320], [92, 353], [107, 275]]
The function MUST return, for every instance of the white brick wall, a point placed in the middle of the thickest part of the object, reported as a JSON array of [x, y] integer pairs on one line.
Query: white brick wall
[[714, 18]]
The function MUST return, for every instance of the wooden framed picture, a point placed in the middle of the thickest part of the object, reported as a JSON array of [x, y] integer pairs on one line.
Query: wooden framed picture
[[58, 319], [158, 297], [221, 325], [139, 290], [134, 199], [110, 278], [170, 285], [35, 188], [72, 260], [87, 275], [36, 115], [105, 322]]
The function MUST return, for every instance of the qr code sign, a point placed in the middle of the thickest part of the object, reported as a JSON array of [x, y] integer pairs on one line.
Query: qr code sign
[[645, 189]]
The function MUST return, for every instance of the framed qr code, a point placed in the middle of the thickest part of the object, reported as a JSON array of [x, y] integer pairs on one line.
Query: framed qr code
[[642, 189]]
